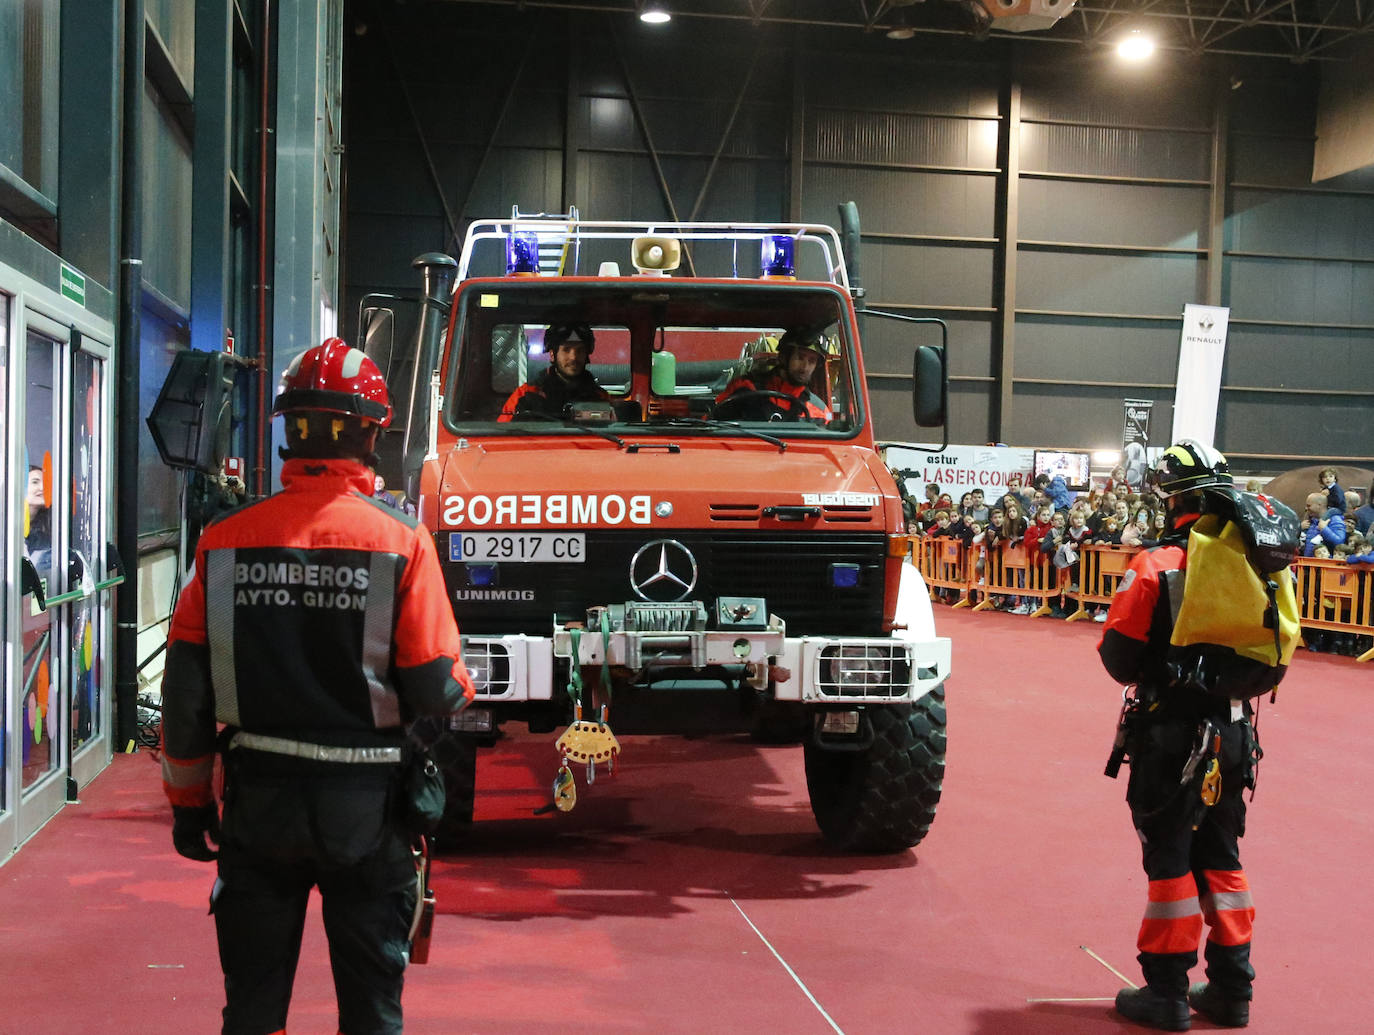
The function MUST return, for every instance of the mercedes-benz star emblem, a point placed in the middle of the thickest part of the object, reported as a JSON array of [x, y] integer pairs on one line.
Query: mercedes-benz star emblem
[[662, 571]]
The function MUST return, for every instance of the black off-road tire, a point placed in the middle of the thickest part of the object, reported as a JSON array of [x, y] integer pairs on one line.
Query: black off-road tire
[[882, 799]]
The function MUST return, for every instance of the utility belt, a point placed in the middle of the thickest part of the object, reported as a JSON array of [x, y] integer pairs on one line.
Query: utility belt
[[1202, 769], [316, 752]]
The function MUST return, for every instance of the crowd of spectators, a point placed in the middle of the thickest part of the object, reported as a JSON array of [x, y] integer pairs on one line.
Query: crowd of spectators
[[1043, 515]]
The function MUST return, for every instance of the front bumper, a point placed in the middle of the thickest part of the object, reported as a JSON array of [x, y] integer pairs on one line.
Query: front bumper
[[807, 669]]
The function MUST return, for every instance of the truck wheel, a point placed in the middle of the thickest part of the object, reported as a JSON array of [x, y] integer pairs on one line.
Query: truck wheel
[[882, 799], [456, 756]]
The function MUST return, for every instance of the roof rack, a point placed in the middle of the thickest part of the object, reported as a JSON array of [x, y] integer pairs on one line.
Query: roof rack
[[562, 233]]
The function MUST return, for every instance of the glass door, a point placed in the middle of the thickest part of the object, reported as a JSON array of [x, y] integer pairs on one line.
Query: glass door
[[41, 725], [58, 716], [89, 632], [6, 697]]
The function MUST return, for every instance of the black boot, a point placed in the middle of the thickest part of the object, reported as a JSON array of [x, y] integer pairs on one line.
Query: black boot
[[1208, 1000], [1225, 998], [1154, 1009]]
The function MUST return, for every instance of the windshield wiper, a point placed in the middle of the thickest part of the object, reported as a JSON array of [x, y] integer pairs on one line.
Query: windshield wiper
[[564, 422], [718, 425]]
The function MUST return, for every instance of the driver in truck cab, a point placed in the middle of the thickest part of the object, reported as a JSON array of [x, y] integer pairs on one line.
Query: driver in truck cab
[[789, 373], [567, 379]]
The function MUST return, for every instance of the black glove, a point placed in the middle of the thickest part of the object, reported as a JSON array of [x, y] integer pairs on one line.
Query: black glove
[[191, 824]]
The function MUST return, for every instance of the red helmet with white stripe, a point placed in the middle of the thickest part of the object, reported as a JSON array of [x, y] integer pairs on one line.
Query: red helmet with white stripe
[[334, 378]]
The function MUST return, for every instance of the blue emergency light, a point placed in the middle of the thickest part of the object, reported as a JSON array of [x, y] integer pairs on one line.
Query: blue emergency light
[[778, 256], [844, 576], [522, 253]]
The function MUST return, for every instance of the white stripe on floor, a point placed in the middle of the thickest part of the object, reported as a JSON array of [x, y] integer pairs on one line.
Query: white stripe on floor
[[800, 984]]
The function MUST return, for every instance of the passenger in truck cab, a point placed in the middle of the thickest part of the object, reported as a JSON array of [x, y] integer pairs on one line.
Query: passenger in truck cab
[[780, 387], [567, 379]]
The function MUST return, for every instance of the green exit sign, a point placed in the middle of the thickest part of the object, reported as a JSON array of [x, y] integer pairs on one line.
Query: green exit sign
[[73, 285]]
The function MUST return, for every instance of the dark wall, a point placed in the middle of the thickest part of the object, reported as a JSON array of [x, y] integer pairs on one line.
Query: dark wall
[[455, 112]]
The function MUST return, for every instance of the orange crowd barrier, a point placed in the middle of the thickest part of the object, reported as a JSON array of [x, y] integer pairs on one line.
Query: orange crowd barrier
[[1336, 597], [1100, 569], [944, 564], [1011, 571], [1332, 596]]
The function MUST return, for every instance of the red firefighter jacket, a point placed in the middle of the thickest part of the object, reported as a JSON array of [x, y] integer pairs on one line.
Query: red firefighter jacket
[[318, 614], [774, 381], [1139, 624]]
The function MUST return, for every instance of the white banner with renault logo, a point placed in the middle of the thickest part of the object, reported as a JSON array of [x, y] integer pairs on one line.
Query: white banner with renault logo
[[1201, 351]]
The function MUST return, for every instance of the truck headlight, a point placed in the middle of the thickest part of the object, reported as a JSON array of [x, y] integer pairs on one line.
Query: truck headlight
[[859, 667], [865, 670], [489, 665]]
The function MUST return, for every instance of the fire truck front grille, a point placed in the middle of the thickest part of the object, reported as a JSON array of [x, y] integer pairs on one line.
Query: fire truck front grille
[[794, 571]]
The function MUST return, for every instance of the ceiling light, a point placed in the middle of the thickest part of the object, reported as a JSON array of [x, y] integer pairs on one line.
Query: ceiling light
[[655, 14], [900, 29], [1135, 46]]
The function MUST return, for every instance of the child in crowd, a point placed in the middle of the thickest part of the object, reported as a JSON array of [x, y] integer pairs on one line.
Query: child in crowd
[[1036, 530], [1108, 534], [1050, 545], [1014, 534], [978, 550], [940, 526], [1328, 477]]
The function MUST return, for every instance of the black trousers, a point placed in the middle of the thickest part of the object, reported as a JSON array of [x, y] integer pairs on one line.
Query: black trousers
[[1195, 875], [289, 826]]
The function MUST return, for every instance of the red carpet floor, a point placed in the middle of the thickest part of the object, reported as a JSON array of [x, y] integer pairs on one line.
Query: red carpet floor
[[692, 893]]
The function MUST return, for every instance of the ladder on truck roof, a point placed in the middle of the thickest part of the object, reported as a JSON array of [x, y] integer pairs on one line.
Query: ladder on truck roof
[[558, 235]]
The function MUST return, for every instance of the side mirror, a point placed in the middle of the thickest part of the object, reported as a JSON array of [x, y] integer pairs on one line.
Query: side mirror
[[930, 388], [377, 333]]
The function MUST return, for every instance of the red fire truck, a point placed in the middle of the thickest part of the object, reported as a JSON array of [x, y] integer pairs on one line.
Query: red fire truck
[[681, 546]]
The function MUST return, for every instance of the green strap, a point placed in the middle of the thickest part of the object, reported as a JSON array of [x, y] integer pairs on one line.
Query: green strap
[[575, 667], [606, 652]]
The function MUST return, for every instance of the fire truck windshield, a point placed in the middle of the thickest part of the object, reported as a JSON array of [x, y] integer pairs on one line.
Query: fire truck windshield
[[648, 353]]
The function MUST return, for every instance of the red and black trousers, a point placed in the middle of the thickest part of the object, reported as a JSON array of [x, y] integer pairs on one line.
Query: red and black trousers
[[1191, 855]]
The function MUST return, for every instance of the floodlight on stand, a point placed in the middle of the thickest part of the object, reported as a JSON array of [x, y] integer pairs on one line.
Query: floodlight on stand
[[777, 256], [655, 13], [522, 254]]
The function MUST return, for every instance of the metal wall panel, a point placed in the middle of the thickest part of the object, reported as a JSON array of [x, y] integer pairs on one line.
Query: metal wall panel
[[893, 138], [927, 274], [1096, 350], [905, 76], [1330, 426], [900, 202], [174, 21], [167, 206], [1112, 151], [1331, 225], [1163, 93], [1138, 285], [1288, 357], [1113, 213], [1079, 417], [889, 345], [1295, 289]]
